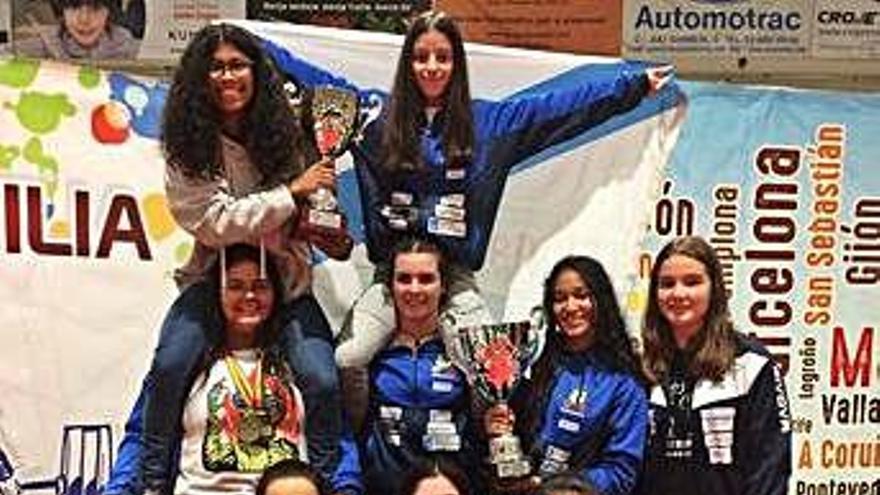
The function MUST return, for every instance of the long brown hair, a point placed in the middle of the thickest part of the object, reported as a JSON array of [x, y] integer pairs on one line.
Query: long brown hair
[[400, 136], [713, 347]]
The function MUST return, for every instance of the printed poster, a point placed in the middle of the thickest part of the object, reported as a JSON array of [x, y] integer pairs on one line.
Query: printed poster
[[576, 26], [383, 15]]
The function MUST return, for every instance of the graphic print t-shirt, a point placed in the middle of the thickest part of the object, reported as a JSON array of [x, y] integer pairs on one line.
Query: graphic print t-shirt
[[217, 452]]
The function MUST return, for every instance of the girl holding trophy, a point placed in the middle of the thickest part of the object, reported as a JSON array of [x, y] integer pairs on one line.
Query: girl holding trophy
[[584, 410], [434, 163], [239, 164]]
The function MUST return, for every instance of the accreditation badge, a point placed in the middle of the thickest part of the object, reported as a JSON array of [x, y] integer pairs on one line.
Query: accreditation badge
[[401, 198], [717, 426], [568, 425], [555, 460], [454, 200], [390, 423], [449, 228], [449, 213], [455, 173], [441, 435]]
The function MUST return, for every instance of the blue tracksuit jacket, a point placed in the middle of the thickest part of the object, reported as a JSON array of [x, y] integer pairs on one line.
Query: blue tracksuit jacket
[[594, 424], [507, 132], [411, 393]]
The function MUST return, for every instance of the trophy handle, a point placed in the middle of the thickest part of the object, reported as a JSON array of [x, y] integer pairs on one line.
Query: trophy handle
[[369, 111], [537, 335]]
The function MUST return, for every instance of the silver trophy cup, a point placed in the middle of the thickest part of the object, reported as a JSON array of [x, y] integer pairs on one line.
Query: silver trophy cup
[[494, 358], [335, 116]]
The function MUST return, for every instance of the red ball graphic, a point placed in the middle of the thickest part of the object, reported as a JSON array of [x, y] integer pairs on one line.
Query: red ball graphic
[[111, 123]]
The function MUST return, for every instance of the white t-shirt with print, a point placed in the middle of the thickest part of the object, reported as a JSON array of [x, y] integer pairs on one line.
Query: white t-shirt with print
[[213, 457]]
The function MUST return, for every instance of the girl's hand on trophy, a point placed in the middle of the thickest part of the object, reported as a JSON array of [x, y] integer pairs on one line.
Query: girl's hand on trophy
[[321, 174], [498, 420], [336, 244]]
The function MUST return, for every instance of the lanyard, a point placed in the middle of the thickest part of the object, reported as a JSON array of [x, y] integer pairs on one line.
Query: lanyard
[[251, 391]]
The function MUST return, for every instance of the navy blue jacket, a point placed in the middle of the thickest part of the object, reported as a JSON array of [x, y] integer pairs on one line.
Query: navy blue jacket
[[507, 132], [726, 438]]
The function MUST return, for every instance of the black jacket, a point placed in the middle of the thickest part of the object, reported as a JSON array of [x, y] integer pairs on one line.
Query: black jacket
[[727, 438]]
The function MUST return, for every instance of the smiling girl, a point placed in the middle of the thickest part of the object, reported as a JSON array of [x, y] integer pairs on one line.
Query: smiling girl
[[583, 412], [419, 403], [719, 412], [435, 162]]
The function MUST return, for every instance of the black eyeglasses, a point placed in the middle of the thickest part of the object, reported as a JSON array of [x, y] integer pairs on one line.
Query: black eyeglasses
[[238, 287], [236, 67]]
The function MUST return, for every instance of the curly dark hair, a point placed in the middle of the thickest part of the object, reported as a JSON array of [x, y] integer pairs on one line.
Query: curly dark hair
[[611, 344], [406, 110], [713, 347], [191, 125]]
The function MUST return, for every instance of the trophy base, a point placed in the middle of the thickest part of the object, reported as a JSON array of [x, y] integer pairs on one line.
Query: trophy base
[[513, 469], [314, 221], [327, 220], [506, 455]]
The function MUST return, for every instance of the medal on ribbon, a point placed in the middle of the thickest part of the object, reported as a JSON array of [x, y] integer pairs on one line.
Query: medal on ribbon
[[254, 423]]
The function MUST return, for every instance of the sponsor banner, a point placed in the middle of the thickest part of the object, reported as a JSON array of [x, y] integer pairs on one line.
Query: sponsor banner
[[785, 186], [717, 28], [389, 16], [577, 26], [170, 24], [846, 29]]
